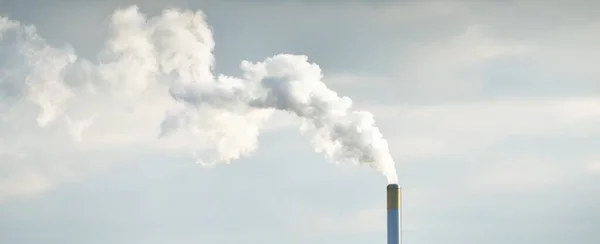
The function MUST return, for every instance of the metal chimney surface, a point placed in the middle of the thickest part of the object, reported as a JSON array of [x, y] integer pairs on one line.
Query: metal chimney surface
[[394, 214]]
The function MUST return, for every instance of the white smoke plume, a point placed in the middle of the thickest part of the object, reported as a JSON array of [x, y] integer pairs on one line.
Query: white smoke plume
[[165, 63]]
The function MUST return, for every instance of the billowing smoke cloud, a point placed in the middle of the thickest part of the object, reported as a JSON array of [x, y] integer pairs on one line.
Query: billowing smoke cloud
[[169, 58]]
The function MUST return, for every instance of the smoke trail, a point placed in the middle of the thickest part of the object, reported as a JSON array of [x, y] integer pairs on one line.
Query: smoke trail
[[169, 58]]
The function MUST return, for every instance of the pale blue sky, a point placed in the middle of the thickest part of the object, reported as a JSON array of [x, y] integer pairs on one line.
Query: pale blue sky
[[491, 110]]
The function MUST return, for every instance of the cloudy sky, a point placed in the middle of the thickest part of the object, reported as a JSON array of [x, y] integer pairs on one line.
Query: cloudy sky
[[491, 111]]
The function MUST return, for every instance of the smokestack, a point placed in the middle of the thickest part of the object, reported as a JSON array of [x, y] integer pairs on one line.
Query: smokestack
[[394, 214]]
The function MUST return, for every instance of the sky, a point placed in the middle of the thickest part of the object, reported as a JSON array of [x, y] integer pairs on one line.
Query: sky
[[491, 111]]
